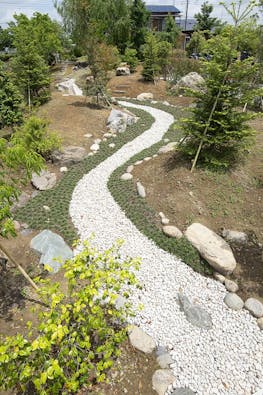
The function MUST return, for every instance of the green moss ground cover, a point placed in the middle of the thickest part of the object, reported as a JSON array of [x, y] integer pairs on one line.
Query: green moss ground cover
[[58, 198]]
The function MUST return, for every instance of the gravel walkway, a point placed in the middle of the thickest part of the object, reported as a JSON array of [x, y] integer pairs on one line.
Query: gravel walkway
[[228, 359]]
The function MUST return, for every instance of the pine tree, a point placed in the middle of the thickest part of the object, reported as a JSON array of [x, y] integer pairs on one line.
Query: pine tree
[[205, 22], [171, 30]]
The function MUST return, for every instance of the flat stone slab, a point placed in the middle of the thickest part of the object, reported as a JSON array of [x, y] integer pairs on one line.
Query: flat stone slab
[[52, 249], [161, 380], [213, 248], [69, 155], [44, 180], [233, 301], [141, 341], [195, 314], [255, 307]]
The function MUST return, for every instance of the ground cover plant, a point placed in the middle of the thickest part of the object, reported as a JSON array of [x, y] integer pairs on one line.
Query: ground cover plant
[[79, 331], [143, 216], [58, 198]]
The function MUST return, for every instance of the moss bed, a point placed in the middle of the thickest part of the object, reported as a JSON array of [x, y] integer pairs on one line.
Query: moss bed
[[135, 208]]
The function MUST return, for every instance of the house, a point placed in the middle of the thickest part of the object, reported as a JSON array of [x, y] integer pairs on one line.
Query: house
[[187, 27], [159, 13]]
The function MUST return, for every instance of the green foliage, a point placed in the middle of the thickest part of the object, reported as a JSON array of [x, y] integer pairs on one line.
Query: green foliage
[[130, 57], [205, 22], [156, 57], [32, 73], [224, 132], [171, 31], [14, 158], [139, 21], [10, 100], [79, 334], [6, 39], [182, 65], [196, 44], [34, 135]]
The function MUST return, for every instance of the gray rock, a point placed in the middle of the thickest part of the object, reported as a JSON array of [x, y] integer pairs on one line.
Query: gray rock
[[191, 80], [255, 307], [231, 286], [111, 145], [183, 391], [44, 180], [52, 249], [213, 248], [63, 169], [219, 277], [141, 341], [127, 176], [260, 322], [69, 155], [118, 120], [123, 70], [160, 350], [195, 314], [165, 221], [145, 96], [233, 301], [165, 360], [234, 236], [172, 231], [26, 232], [141, 190], [161, 380], [21, 202], [69, 87]]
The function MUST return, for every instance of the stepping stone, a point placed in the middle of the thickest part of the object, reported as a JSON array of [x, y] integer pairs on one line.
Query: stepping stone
[[231, 286], [255, 307], [172, 231], [141, 190], [141, 341], [161, 380], [233, 301], [196, 315]]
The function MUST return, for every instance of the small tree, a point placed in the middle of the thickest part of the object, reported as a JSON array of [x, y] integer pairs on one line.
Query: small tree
[[151, 65], [130, 57], [10, 100], [196, 44], [205, 22], [218, 130], [171, 31], [139, 23]]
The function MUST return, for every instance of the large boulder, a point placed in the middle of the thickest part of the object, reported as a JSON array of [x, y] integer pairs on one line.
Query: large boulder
[[192, 81], [52, 249], [44, 180], [119, 120], [213, 248], [69, 155], [69, 87]]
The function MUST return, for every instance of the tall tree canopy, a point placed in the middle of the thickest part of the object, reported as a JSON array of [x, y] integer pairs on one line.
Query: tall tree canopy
[[139, 22], [204, 20]]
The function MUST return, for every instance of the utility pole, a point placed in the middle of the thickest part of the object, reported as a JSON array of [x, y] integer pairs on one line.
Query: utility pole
[[185, 22]]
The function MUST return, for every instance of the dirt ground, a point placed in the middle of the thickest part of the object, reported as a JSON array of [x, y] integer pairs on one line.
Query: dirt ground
[[233, 202]]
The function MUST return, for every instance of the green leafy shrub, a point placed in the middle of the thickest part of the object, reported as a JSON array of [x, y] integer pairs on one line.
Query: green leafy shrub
[[34, 135], [130, 57], [78, 334], [182, 65]]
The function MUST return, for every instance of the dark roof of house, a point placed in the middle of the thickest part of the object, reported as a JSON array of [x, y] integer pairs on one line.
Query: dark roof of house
[[162, 8], [190, 24]]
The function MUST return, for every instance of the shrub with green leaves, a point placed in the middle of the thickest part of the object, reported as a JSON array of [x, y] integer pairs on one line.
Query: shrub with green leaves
[[79, 333], [130, 57], [34, 135]]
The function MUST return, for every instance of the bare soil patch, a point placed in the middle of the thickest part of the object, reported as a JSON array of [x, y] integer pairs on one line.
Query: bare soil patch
[[231, 200]]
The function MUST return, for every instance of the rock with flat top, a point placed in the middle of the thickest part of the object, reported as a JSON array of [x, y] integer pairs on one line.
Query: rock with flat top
[[233, 301], [233, 236], [44, 180], [141, 341], [161, 380], [255, 307], [196, 315], [145, 96], [172, 231], [213, 248], [69, 155]]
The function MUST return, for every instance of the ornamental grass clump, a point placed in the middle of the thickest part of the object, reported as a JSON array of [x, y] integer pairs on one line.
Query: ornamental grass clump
[[79, 333]]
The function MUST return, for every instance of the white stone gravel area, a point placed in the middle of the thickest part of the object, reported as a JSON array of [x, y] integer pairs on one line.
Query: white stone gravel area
[[226, 360]]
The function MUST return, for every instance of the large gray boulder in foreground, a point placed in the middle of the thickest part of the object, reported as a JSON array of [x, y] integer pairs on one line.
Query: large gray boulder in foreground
[[213, 248], [52, 249]]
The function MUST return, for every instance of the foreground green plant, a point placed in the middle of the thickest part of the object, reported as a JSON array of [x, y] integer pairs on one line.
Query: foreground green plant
[[78, 335]]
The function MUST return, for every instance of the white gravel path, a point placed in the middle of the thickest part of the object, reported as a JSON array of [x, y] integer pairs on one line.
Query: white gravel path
[[228, 359]]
